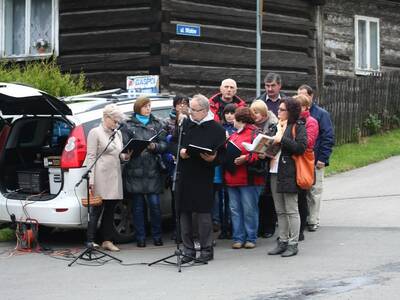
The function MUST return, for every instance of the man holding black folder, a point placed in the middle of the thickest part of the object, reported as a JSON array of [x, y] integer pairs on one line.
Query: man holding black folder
[[196, 174]]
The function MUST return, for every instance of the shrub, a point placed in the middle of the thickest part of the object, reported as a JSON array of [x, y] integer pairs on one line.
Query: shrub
[[44, 75], [373, 124]]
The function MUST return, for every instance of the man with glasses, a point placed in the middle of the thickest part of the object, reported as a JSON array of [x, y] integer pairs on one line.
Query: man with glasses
[[227, 94], [196, 174]]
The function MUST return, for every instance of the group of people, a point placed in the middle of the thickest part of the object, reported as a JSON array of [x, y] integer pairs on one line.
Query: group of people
[[245, 194]]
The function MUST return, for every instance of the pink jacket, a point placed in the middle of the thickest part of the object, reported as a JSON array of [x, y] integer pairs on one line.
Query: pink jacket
[[312, 129]]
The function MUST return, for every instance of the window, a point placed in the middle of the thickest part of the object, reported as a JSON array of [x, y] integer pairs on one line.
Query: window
[[28, 28], [367, 48]]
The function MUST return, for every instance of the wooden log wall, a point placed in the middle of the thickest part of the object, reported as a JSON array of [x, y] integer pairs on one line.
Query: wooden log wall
[[227, 46], [110, 39], [339, 34]]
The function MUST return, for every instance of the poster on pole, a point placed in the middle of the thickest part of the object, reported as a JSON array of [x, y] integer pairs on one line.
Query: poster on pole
[[140, 85]]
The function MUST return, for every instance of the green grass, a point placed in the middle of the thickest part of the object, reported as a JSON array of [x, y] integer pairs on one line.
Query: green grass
[[6, 234], [371, 149]]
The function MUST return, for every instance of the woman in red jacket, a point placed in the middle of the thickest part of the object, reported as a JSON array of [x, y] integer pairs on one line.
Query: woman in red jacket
[[243, 188], [312, 130]]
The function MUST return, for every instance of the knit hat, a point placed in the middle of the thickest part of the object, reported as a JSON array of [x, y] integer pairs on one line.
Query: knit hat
[[139, 103]]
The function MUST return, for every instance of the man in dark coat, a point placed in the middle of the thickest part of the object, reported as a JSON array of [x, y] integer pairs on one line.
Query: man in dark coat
[[196, 174], [322, 150], [272, 95]]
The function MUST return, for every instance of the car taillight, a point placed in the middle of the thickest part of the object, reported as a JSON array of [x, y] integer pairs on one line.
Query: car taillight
[[3, 136], [74, 153]]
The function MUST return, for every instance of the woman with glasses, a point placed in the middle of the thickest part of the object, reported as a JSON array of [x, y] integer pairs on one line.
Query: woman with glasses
[[105, 178], [143, 178], [283, 176]]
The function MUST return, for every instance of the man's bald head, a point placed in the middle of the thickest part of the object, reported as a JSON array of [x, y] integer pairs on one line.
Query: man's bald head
[[228, 89]]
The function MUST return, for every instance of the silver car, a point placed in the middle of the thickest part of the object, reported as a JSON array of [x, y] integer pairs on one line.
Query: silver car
[[42, 156]]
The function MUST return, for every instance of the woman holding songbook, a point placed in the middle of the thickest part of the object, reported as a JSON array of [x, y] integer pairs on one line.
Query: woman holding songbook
[[105, 179], [143, 178], [243, 186], [283, 176], [266, 121]]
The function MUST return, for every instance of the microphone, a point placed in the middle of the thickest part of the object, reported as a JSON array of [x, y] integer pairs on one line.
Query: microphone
[[181, 118], [120, 125], [112, 136]]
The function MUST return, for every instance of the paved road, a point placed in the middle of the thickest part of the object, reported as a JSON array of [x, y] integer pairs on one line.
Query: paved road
[[354, 255]]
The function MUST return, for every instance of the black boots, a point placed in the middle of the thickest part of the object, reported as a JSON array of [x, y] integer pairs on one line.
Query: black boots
[[284, 249], [280, 248], [291, 250]]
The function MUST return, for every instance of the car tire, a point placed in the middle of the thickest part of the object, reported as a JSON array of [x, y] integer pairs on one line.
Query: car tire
[[123, 229]]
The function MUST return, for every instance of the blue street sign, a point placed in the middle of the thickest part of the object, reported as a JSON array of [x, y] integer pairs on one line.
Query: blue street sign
[[191, 30]]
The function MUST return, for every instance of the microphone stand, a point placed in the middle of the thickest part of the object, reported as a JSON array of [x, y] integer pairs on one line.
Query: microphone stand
[[178, 251], [89, 254]]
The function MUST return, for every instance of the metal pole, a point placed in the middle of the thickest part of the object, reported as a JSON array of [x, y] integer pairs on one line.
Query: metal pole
[[258, 46]]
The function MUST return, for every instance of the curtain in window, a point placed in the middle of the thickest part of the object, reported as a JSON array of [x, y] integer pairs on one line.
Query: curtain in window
[[41, 23], [373, 31], [15, 24], [362, 45]]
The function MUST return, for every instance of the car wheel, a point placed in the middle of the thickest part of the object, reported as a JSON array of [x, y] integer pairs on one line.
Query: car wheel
[[123, 229]]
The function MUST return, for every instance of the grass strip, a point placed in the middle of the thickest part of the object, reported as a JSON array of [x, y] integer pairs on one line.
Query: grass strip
[[371, 149]]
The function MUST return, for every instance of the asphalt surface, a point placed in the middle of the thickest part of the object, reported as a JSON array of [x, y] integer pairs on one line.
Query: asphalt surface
[[354, 255]]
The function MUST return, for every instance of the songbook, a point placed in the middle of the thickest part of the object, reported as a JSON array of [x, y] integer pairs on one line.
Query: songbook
[[262, 144], [195, 150], [138, 145], [232, 152]]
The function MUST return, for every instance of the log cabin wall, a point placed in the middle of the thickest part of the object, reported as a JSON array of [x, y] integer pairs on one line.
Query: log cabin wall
[[339, 36], [227, 46], [110, 39]]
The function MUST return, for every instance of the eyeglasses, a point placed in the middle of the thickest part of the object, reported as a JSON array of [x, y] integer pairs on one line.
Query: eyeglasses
[[282, 109], [196, 110]]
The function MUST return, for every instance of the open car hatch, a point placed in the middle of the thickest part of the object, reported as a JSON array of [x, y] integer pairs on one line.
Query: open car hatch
[[17, 99]]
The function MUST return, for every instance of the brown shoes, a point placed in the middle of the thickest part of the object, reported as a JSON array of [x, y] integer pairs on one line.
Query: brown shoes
[[108, 245]]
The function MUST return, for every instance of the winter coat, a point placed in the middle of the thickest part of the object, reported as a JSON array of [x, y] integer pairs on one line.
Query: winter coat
[[195, 180], [241, 176], [286, 166], [217, 105], [311, 129], [142, 174], [325, 141], [106, 174]]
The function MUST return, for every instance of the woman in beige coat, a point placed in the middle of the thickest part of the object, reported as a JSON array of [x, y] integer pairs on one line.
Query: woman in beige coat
[[105, 178]]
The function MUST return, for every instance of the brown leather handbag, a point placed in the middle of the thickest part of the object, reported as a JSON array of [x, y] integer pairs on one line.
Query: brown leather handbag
[[305, 167]]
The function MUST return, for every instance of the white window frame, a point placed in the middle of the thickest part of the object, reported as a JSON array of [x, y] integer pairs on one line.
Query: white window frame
[[28, 42], [368, 20]]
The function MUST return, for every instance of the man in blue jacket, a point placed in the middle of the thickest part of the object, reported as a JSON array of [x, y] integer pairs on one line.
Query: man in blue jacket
[[322, 150]]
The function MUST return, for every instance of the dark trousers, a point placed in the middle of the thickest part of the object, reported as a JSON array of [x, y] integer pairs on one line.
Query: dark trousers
[[204, 224], [106, 223], [266, 204], [303, 209]]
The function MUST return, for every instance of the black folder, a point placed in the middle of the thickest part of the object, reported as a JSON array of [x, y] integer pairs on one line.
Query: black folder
[[137, 146], [232, 152], [195, 150]]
